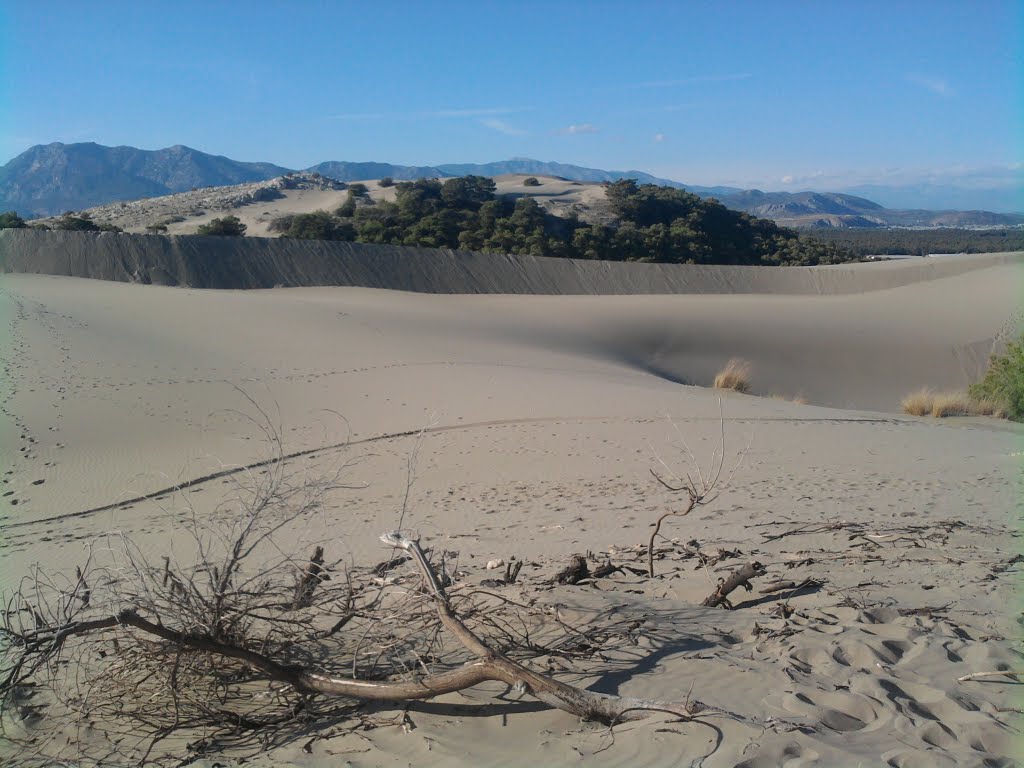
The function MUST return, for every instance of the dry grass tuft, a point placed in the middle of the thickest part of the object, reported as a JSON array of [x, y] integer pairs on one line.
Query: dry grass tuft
[[919, 403], [735, 376], [952, 404], [799, 399], [925, 402]]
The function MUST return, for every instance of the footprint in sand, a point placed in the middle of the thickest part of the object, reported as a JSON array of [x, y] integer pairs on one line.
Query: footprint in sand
[[788, 755], [839, 711]]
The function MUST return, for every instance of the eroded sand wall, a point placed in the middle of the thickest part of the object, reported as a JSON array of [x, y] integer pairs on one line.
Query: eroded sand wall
[[239, 263]]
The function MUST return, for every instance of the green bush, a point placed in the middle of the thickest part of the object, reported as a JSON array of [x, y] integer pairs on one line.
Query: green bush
[[387, 181], [83, 223], [229, 226], [531, 181], [11, 220], [75, 224], [1004, 381], [318, 225]]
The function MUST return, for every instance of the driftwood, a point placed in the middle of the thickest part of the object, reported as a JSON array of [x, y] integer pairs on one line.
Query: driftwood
[[574, 572], [44, 644], [493, 665], [512, 569], [699, 492], [984, 675], [312, 578], [791, 586], [738, 578]]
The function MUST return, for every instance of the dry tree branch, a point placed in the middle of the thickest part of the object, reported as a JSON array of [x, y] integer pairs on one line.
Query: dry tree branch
[[588, 705], [704, 491]]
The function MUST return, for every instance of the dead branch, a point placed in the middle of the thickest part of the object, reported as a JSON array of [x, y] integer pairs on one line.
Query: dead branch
[[702, 491], [983, 675], [312, 577], [794, 586], [574, 572], [495, 666], [739, 578]]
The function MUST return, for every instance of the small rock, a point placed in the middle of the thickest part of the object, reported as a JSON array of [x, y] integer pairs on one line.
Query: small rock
[[492, 564]]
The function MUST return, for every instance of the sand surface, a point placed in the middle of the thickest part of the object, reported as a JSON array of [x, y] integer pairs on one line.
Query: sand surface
[[543, 417]]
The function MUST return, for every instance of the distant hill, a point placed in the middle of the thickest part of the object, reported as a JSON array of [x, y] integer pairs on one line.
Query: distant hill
[[831, 209], [524, 165], [345, 171], [53, 178]]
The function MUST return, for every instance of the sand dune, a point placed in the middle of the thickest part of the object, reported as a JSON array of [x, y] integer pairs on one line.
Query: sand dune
[[544, 415]]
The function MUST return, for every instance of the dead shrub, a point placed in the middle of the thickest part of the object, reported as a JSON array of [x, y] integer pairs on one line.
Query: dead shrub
[[919, 402], [735, 376], [952, 404]]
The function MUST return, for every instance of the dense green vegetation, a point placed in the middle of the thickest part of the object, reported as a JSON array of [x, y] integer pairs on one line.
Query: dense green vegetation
[[82, 223], [654, 223], [229, 226], [921, 242], [11, 220], [69, 222], [1004, 381]]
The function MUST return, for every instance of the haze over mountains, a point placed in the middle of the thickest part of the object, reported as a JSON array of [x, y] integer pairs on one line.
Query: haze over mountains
[[49, 179]]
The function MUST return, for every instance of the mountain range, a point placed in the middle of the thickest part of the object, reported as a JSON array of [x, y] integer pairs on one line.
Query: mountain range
[[49, 179]]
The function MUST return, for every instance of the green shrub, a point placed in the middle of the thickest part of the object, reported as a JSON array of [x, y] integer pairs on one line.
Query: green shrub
[[229, 226], [531, 181], [11, 220], [387, 181], [1004, 381], [318, 225], [71, 223], [281, 224]]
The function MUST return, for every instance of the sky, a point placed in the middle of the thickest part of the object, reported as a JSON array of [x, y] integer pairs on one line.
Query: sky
[[774, 95]]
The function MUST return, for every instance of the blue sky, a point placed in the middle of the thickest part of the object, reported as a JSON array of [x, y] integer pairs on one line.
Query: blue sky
[[770, 94]]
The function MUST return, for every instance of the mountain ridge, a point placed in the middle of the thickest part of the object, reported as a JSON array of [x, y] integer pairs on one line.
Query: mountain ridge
[[52, 178]]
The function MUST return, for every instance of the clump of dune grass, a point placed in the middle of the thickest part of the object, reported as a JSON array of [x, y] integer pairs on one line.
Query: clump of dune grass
[[926, 402], [735, 376], [951, 404], [798, 399], [919, 402]]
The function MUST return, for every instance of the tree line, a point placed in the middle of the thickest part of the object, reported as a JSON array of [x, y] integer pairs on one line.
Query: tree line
[[921, 242], [652, 223]]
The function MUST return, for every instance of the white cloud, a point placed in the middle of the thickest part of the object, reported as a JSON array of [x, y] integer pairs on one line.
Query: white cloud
[[579, 129], [659, 137], [502, 127], [936, 85]]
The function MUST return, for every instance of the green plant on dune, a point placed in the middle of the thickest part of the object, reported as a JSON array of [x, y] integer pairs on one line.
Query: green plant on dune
[[11, 220], [229, 226], [1004, 381]]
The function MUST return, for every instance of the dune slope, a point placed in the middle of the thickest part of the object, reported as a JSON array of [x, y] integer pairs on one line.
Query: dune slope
[[543, 417]]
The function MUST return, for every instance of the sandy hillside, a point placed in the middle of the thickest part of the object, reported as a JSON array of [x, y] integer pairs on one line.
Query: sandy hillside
[[258, 203], [543, 418]]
